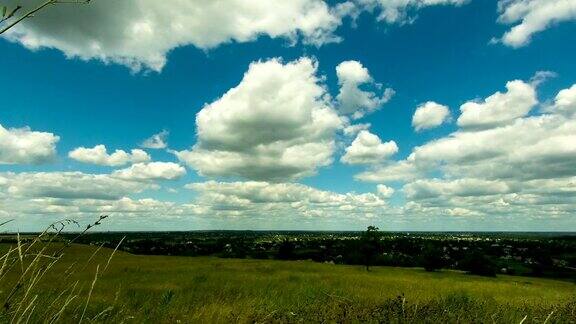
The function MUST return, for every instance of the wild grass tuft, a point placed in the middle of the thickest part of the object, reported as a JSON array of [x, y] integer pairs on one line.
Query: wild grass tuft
[[25, 266]]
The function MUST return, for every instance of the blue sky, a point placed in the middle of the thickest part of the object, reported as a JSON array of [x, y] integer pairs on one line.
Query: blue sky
[[444, 54]]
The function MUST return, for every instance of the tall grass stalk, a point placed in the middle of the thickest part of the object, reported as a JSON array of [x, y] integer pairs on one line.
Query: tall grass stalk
[[23, 267], [89, 294], [113, 252]]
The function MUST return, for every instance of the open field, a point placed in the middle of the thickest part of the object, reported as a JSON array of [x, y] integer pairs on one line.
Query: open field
[[551, 255], [206, 289]]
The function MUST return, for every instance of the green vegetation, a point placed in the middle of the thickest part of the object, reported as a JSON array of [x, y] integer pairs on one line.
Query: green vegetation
[[167, 289], [370, 245], [432, 258], [550, 255]]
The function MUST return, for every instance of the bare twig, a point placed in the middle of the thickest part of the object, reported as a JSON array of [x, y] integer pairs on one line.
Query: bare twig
[[33, 11], [11, 14], [6, 222], [88, 227]]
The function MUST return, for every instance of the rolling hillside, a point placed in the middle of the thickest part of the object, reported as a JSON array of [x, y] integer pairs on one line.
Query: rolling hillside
[[170, 289]]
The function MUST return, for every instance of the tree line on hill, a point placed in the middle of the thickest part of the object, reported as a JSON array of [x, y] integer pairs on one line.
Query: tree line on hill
[[485, 254]]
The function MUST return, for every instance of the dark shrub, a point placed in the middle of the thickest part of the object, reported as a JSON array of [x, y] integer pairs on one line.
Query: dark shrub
[[479, 264], [286, 250], [432, 258]]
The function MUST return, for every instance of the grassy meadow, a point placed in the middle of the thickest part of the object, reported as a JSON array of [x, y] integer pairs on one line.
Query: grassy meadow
[[168, 289]]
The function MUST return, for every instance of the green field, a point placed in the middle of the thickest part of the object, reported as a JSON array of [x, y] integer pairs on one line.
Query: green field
[[168, 289]]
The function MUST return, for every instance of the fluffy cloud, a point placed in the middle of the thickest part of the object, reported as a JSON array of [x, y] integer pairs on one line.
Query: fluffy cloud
[[532, 147], [394, 171], [249, 198], [499, 108], [402, 11], [140, 33], [420, 189], [143, 214], [276, 125], [351, 99], [429, 115], [24, 146], [156, 141], [67, 185], [552, 199], [523, 167], [385, 191], [531, 17], [122, 206], [151, 171], [216, 204], [565, 102], [98, 155], [367, 148], [263, 192], [353, 130], [52, 196]]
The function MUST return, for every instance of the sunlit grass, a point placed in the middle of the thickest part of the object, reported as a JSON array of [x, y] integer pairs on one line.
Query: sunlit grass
[[166, 289]]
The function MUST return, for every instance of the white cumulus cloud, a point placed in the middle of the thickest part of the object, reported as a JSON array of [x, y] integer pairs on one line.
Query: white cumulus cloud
[[499, 108], [565, 101], [351, 99], [353, 130], [531, 17], [385, 191], [264, 198], [98, 155], [151, 171], [431, 188], [68, 185], [368, 148], [276, 125], [520, 166], [25, 146], [156, 141], [393, 171], [532, 147], [401, 11], [140, 33], [429, 115]]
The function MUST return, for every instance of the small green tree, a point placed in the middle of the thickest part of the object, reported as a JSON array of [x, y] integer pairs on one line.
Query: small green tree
[[477, 263], [370, 245], [432, 259], [286, 250]]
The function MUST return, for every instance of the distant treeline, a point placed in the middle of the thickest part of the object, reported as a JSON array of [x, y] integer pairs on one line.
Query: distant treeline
[[532, 254]]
